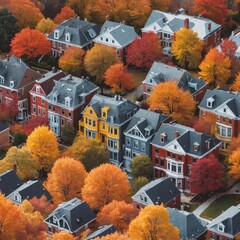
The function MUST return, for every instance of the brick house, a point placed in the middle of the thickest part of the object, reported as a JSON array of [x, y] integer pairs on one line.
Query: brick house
[[161, 72], [118, 36], [73, 32], [42, 87], [166, 24], [66, 101], [223, 106], [16, 80], [157, 192], [175, 148], [4, 136]]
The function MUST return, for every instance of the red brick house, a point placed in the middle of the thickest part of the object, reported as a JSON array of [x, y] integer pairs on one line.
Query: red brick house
[[4, 136], [16, 80], [175, 148], [42, 87]]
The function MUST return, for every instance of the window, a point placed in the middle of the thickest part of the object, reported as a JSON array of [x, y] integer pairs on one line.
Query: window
[[230, 121], [39, 111], [1, 79], [173, 155], [101, 38], [135, 144], [143, 147], [104, 114], [174, 166], [90, 134], [63, 111], [37, 89], [67, 101], [43, 112], [156, 160], [94, 123], [194, 160], [106, 39], [156, 150], [62, 121], [34, 99], [11, 84], [115, 131], [218, 118], [195, 147], [224, 119], [90, 111], [162, 162], [224, 131], [127, 152], [112, 144], [56, 34], [188, 169], [128, 141], [103, 126], [67, 37], [42, 100], [113, 41], [34, 108], [69, 114]]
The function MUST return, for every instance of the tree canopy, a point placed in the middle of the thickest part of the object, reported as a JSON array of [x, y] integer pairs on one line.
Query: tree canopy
[[234, 160], [46, 25], [65, 14]]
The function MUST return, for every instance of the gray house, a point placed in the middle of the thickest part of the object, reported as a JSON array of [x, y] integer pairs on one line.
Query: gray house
[[139, 133]]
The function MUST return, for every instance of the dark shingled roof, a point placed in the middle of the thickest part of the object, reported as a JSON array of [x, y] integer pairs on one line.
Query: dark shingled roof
[[3, 126], [101, 232]]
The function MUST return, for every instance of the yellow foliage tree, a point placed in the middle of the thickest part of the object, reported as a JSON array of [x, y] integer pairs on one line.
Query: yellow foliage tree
[[79, 6], [215, 68], [187, 48], [153, 223], [44, 146], [66, 180], [114, 236], [63, 236], [236, 84], [46, 25], [172, 100], [234, 161]]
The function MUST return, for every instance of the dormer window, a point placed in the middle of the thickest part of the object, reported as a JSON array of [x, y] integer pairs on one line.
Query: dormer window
[[11, 84], [163, 137], [224, 110], [56, 34], [38, 89], [67, 101], [221, 227], [1, 79], [67, 37], [55, 96], [112, 119], [147, 132], [210, 102], [195, 146]]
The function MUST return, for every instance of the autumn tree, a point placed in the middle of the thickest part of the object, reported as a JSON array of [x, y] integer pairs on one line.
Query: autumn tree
[[9, 108], [118, 78], [206, 125], [214, 10], [63, 236], [153, 223], [215, 68], [66, 180], [72, 61], [236, 84], [90, 152], [97, 60], [114, 236], [161, 5], [45, 25], [233, 145], [68, 134], [44, 146], [234, 161], [105, 184], [206, 175], [138, 183], [30, 43], [144, 51], [170, 99], [228, 47], [187, 48], [117, 213], [65, 14], [33, 123], [79, 6]]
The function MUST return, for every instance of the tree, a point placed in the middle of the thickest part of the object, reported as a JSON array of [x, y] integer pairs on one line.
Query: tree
[[63, 236], [153, 223], [33, 123], [206, 175], [187, 48], [233, 145], [117, 213], [234, 161], [114, 236], [9, 108], [19, 139], [90, 152], [137, 183], [97, 60], [105, 184], [173, 100], [229, 48], [215, 68], [144, 51], [118, 78], [236, 84], [79, 6], [66, 180], [72, 61], [21, 160], [141, 166], [46, 25], [206, 125], [65, 14], [44, 147], [216, 11], [68, 134], [30, 44], [161, 5], [8, 29]]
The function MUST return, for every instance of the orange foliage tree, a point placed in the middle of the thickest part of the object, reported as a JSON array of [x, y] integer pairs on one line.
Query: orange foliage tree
[[117, 213], [105, 184], [72, 61], [228, 47], [170, 99], [161, 5], [234, 161], [118, 78], [66, 180], [153, 223], [66, 13], [114, 236], [30, 43], [79, 6], [63, 236], [236, 84], [215, 68], [144, 51], [45, 25], [206, 125]]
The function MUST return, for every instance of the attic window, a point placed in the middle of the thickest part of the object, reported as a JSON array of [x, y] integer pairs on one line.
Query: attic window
[[106, 39], [56, 34], [38, 89], [154, 28], [11, 84], [210, 102], [224, 110], [112, 119], [67, 37], [147, 132], [195, 147], [221, 228], [1, 79], [67, 101], [163, 137], [175, 146]]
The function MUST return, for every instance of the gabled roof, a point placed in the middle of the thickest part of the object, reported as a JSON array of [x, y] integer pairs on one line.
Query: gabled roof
[[189, 225], [75, 212], [230, 219], [161, 190], [9, 182], [82, 32], [101, 232]]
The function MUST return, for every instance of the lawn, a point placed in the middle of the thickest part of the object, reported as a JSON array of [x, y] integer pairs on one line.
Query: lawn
[[193, 206], [138, 76], [220, 205]]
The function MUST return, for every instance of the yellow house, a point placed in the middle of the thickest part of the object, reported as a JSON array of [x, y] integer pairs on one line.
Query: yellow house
[[106, 119]]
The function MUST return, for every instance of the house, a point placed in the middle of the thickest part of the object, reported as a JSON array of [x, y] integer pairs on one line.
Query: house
[[157, 192], [42, 87], [165, 25], [139, 134], [73, 216], [175, 148], [118, 36], [9, 182], [73, 32], [4, 136], [224, 107], [226, 226], [16, 80], [190, 226], [106, 119], [101, 232], [161, 72], [67, 100]]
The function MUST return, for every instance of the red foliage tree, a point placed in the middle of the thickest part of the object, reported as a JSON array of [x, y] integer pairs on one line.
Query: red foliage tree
[[206, 175], [144, 51], [228, 47], [33, 123], [9, 109], [66, 13]]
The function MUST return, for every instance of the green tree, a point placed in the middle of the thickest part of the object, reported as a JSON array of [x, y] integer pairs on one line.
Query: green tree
[[68, 134], [137, 183]]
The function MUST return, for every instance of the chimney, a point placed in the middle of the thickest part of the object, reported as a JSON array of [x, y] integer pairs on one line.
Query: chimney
[[186, 23], [70, 77], [107, 18], [230, 90], [54, 70], [177, 134], [207, 144], [209, 27]]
